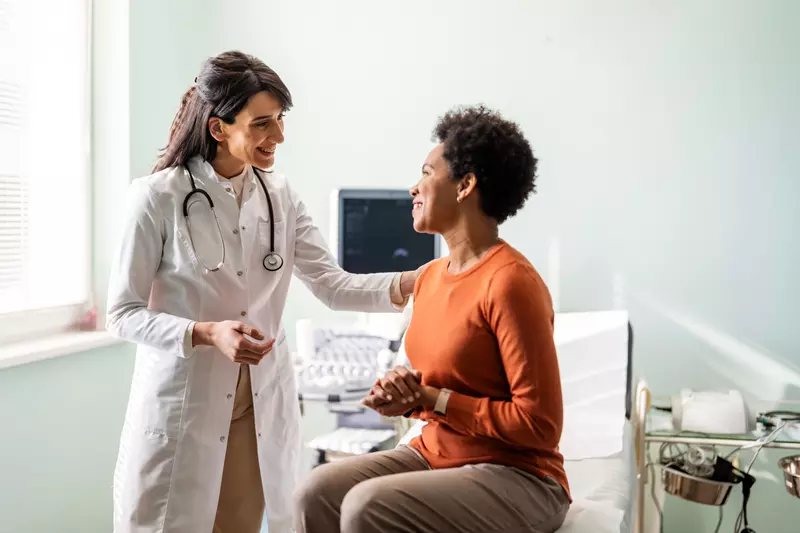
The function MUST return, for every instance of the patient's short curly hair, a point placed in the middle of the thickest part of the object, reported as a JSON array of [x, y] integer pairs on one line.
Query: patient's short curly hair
[[478, 140]]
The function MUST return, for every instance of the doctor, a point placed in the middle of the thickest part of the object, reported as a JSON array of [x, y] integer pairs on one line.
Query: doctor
[[211, 435]]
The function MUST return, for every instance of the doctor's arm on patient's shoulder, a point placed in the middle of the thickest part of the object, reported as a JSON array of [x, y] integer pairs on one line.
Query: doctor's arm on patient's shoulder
[[318, 269], [135, 266]]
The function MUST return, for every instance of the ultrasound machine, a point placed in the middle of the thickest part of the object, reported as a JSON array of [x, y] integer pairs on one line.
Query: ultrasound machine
[[372, 231]]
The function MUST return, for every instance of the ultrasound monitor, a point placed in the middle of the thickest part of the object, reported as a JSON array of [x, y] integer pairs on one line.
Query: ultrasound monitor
[[373, 232]]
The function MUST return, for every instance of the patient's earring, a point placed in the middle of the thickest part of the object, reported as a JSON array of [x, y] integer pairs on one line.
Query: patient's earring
[[458, 199]]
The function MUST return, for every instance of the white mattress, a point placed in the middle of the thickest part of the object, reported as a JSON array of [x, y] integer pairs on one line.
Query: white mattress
[[602, 492]]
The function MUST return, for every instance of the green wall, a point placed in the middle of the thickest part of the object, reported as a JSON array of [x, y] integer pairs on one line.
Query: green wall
[[61, 423]]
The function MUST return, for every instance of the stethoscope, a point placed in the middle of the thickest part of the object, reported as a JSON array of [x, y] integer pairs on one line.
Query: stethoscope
[[272, 261]]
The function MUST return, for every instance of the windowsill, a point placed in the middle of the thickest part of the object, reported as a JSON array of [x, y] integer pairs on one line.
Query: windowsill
[[68, 343]]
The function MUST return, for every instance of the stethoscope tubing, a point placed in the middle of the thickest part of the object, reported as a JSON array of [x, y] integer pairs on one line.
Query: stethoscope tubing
[[273, 260]]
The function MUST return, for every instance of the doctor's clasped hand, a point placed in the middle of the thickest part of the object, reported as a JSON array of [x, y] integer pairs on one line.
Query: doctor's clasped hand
[[230, 338]]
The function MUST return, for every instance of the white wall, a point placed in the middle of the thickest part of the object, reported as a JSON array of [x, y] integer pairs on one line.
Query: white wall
[[169, 42]]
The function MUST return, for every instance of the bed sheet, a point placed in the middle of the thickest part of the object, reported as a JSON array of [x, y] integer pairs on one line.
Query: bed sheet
[[603, 492]]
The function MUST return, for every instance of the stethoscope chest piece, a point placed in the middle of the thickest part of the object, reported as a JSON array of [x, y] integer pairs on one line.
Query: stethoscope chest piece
[[273, 261]]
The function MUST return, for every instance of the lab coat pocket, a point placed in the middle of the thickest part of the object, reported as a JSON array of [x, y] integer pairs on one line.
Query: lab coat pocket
[[179, 252], [288, 385], [160, 386], [142, 477], [202, 239], [269, 242]]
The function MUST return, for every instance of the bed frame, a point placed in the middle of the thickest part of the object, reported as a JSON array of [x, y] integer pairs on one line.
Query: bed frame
[[637, 405], [636, 409]]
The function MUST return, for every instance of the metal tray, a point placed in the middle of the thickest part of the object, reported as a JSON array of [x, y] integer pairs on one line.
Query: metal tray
[[695, 489], [791, 474]]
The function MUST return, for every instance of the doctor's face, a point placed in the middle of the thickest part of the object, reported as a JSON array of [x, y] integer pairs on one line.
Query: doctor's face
[[435, 195], [255, 133]]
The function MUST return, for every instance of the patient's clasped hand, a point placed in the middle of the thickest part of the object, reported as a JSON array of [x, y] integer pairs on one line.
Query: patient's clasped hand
[[399, 392]]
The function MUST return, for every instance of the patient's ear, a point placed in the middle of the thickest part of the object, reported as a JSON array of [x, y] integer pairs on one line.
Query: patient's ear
[[466, 186]]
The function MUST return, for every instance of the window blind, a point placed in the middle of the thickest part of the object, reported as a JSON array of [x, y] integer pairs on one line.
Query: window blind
[[44, 164], [14, 197]]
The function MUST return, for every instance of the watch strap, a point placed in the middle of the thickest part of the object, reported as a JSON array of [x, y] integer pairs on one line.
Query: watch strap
[[440, 408]]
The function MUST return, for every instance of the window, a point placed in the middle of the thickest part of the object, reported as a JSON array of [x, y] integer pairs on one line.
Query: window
[[44, 165]]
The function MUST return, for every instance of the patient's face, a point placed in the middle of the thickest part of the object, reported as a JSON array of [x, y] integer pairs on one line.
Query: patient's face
[[435, 195]]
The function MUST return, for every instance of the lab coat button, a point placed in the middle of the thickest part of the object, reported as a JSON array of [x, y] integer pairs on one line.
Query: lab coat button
[[259, 435], [230, 396], [243, 228], [244, 313], [236, 232], [240, 273], [222, 439]]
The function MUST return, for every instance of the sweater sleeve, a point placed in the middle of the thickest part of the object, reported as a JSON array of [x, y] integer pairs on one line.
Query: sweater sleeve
[[519, 312]]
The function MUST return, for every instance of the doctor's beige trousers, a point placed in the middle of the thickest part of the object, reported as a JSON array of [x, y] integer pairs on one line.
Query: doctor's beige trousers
[[241, 499]]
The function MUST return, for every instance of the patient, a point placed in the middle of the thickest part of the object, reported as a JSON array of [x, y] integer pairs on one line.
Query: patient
[[485, 379]]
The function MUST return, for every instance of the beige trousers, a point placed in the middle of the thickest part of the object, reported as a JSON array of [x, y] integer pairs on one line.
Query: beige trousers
[[241, 499], [396, 492]]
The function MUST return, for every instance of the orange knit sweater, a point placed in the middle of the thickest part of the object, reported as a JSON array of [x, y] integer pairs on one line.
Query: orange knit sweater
[[487, 335]]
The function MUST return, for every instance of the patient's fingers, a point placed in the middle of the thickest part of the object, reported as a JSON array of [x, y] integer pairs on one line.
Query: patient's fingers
[[411, 381], [397, 388], [373, 401], [401, 384], [380, 393], [369, 401]]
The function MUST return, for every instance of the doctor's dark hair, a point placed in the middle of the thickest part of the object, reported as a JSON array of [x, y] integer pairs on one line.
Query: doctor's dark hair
[[222, 90], [480, 141]]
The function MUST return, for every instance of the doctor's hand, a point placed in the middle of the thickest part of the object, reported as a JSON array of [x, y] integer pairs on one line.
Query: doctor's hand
[[230, 338], [409, 279]]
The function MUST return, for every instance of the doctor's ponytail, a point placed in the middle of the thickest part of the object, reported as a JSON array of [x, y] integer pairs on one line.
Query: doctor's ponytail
[[178, 120], [222, 90]]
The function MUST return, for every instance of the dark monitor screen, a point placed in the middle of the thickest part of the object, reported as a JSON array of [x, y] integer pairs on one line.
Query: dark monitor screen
[[376, 233]]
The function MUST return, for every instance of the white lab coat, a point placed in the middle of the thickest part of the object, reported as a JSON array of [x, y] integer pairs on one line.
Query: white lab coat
[[172, 449]]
